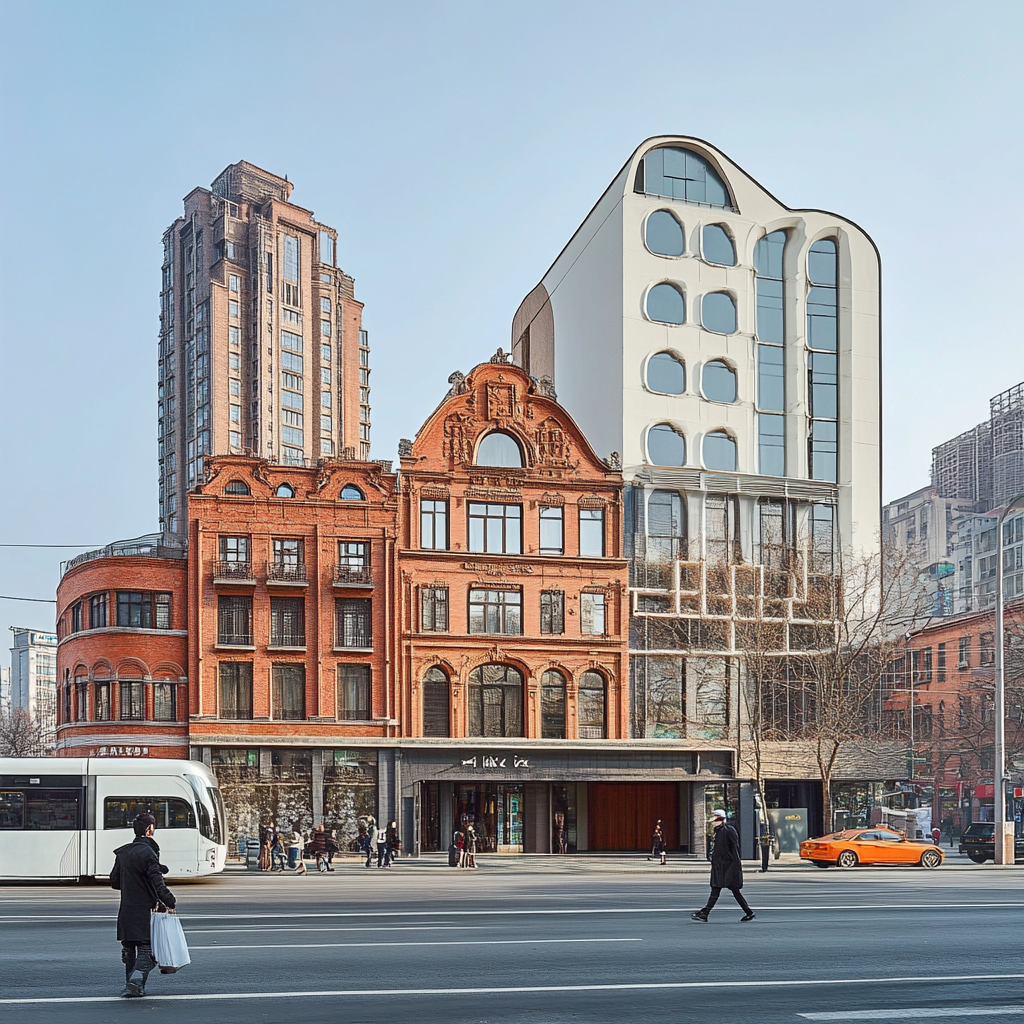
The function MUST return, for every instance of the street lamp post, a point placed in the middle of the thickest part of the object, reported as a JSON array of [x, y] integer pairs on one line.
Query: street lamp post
[[1003, 851]]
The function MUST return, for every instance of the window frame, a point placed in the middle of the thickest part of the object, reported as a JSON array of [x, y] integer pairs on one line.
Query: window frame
[[488, 516], [507, 612]]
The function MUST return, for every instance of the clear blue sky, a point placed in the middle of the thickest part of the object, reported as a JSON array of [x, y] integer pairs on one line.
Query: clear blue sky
[[456, 147]]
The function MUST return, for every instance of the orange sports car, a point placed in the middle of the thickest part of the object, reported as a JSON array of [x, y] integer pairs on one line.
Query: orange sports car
[[879, 845]]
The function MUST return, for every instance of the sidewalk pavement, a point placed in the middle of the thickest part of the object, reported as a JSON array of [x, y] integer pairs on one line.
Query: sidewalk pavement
[[610, 863]]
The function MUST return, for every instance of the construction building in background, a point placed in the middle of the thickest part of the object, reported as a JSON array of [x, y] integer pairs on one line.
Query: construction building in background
[[262, 350], [33, 680]]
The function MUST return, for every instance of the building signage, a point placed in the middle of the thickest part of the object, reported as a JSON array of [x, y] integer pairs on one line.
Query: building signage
[[499, 761], [119, 751]]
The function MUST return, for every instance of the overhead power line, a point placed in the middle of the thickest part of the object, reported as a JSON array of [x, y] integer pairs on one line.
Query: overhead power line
[[38, 600], [51, 545]]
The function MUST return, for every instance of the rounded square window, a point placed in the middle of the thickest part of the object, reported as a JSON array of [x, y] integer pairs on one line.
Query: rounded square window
[[718, 382], [666, 446], [666, 305], [666, 374], [718, 246], [719, 452], [718, 313], [664, 234]]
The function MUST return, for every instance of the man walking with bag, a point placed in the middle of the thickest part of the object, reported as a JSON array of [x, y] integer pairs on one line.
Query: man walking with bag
[[726, 869], [138, 873]]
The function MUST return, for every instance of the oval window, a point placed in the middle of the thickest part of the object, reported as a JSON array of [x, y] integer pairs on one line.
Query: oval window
[[718, 382], [665, 304], [666, 374], [664, 234], [666, 446], [718, 312], [285, 491], [720, 451], [499, 449], [718, 246], [352, 493]]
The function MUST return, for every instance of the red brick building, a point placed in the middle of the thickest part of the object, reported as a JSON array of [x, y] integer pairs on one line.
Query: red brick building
[[947, 677], [291, 654], [122, 652]]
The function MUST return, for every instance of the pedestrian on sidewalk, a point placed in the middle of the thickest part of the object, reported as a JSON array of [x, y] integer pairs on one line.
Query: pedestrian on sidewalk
[[277, 854], [469, 847], [658, 843], [318, 847], [726, 868], [295, 853], [765, 842], [392, 843], [382, 846], [332, 848], [138, 873], [371, 839]]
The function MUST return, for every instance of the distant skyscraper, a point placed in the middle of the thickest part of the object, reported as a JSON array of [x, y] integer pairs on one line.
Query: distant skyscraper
[[262, 349], [34, 678]]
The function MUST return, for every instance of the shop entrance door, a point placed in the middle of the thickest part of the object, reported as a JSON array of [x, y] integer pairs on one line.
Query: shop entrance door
[[496, 811], [621, 815]]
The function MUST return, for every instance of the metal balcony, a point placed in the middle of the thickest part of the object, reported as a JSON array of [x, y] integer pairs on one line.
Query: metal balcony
[[353, 576], [233, 572], [289, 573]]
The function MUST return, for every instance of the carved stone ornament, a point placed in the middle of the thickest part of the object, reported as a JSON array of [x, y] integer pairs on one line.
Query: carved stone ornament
[[613, 461], [501, 402], [499, 569], [553, 447], [545, 386], [458, 438], [458, 383], [404, 448], [501, 357], [549, 498]]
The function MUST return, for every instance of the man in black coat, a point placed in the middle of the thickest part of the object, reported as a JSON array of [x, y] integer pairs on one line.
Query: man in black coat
[[726, 869], [138, 873]]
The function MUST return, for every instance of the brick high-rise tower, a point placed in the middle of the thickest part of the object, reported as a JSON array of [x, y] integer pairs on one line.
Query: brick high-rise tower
[[262, 350]]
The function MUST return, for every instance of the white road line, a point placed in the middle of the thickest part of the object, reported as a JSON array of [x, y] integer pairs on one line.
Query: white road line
[[442, 942], [8, 919], [920, 1013], [338, 928], [378, 993]]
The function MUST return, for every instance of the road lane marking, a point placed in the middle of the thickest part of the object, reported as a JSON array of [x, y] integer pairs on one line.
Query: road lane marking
[[546, 911], [920, 1013], [337, 928], [442, 942], [378, 993]]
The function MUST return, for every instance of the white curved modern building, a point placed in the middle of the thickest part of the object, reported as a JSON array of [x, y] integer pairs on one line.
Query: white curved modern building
[[729, 347]]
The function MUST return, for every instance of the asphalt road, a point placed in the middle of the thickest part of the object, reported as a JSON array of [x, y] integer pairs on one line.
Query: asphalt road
[[410, 945]]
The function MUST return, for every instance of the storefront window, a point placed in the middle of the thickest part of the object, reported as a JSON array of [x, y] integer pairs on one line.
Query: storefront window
[[350, 791]]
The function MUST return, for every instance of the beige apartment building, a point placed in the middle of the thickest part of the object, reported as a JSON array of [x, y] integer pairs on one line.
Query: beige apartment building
[[262, 350]]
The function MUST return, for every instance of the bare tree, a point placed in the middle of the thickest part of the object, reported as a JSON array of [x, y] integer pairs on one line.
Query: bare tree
[[20, 735]]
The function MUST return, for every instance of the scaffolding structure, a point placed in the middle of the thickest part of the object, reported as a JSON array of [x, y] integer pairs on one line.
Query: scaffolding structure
[[1007, 432]]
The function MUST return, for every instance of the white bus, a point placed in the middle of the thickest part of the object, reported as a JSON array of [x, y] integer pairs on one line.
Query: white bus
[[63, 817]]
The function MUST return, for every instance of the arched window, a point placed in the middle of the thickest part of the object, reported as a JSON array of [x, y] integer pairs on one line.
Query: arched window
[[718, 381], [552, 706], [718, 246], [664, 234], [666, 374], [822, 272], [436, 717], [237, 487], [680, 174], [666, 526], [591, 705], [718, 313], [666, 446], [719, 451], [666, 305], [352, 493], [498, 449], [285, 491], [823, 335], [495, 701]]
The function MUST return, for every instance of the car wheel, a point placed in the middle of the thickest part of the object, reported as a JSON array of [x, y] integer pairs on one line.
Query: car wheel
[[847, 859], [822, 864], [977, 857], [931, 859]]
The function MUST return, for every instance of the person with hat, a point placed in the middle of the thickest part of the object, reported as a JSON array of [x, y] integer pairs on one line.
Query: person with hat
[[138, 873], [726, 868]]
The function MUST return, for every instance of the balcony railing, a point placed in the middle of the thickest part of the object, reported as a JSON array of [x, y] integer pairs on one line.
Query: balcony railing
[[353, 576], [286, 572], [287, 639], [237, 572]]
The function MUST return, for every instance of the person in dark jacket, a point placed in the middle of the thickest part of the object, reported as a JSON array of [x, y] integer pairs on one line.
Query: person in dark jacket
[[726, 869], [138, 873]]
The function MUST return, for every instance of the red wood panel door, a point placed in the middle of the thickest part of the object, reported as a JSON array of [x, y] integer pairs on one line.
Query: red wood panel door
[[621, 815]]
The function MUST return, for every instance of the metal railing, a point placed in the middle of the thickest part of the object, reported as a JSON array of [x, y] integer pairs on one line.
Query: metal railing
[[356, 575], [286, 572], [234, 639], [224, 570]]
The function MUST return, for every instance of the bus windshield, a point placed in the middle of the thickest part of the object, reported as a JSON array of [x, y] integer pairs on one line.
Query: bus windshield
[[209, 820]]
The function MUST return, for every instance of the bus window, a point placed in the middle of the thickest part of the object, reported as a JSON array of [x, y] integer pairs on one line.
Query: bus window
[[209, 826], [169, 811], [217, 801], [51, 809], [12, 809]]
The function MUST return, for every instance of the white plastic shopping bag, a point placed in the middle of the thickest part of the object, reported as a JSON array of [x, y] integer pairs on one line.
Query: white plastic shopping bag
[[170, 950]]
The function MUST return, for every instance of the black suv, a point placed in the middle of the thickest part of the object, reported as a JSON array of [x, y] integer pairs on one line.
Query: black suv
[[978, 843]]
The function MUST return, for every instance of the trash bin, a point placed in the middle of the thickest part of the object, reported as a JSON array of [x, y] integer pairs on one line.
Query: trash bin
[[252, 854]]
